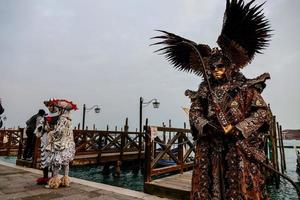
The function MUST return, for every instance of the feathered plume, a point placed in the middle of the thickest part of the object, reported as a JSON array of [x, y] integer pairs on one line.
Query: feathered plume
[[180, 53], [245, 31]]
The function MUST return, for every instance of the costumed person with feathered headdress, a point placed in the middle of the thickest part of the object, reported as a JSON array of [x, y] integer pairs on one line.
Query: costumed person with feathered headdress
[[228, 116], [57, 142]]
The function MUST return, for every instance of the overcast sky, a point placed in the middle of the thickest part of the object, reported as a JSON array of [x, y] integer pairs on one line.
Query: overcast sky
[[97, 52]]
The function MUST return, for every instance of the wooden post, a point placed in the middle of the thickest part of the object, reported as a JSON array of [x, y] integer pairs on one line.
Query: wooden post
[[184, 146], [117, 168], [36, 152], [266, 151], [140, 141], [78, 126], [164, 134], [84, 136], [280, 145], [100, 137], [170, 133], [180, 152], [106, 140], [20, 149], [148, 154], [145, 129], [9, 143], [94, 127], [123, 135], [275, 153], [273, 149], [271, 177], [283, 153]]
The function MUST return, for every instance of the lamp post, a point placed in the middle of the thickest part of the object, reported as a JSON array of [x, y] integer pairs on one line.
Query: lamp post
[[155, 104], [85, 109]]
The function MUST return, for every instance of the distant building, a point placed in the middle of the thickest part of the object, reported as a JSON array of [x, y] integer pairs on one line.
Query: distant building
[[291, 134]]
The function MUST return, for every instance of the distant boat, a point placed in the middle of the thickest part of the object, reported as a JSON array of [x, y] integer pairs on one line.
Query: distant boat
[[290, 134]]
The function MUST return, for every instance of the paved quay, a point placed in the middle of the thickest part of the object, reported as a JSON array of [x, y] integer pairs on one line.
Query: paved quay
[[19, 183]]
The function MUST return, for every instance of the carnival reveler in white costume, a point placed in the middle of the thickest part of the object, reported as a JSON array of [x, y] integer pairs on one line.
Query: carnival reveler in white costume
[[57, 142]]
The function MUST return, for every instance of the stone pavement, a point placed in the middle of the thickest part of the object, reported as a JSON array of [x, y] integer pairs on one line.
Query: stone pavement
[[19, 183]]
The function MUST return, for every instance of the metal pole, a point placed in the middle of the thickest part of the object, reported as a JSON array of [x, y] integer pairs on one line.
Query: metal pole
[[83, 117], [141, 113], [140, 133]]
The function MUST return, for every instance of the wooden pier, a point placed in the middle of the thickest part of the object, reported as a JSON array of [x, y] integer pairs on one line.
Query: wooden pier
[[103, 147], [174, 187]]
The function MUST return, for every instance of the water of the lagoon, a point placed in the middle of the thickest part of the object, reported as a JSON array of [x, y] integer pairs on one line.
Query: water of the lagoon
[[129, 179]]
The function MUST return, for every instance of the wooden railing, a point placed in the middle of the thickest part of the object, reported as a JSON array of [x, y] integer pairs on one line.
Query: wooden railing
[[174, 155], [9, 141], [116, 145], [97, 141]]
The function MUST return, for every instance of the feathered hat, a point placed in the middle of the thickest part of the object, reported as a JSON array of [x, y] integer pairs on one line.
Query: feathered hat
[[61, 103], [245, 32]]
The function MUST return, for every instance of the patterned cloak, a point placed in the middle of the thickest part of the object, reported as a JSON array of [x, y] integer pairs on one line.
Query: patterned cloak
[[223, 171]]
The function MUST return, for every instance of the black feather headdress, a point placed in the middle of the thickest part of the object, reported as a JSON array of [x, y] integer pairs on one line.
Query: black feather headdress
[[245, 32]]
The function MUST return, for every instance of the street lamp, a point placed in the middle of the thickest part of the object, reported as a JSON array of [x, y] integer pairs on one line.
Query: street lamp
[[85, 109], [155, 104]]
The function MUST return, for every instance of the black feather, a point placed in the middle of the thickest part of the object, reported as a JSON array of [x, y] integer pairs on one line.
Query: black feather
[[179, 52], [245, 24]]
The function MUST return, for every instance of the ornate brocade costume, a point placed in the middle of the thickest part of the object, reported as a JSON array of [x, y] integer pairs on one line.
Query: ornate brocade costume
[[221, 169], [228, 117], [57, 144]]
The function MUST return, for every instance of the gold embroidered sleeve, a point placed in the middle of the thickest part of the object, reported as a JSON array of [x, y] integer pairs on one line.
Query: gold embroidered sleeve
[[197, 118], [256, 118]]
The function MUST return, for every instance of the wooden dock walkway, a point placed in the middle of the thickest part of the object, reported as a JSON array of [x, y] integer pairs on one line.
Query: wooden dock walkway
[[19, 183], [175, 187]]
